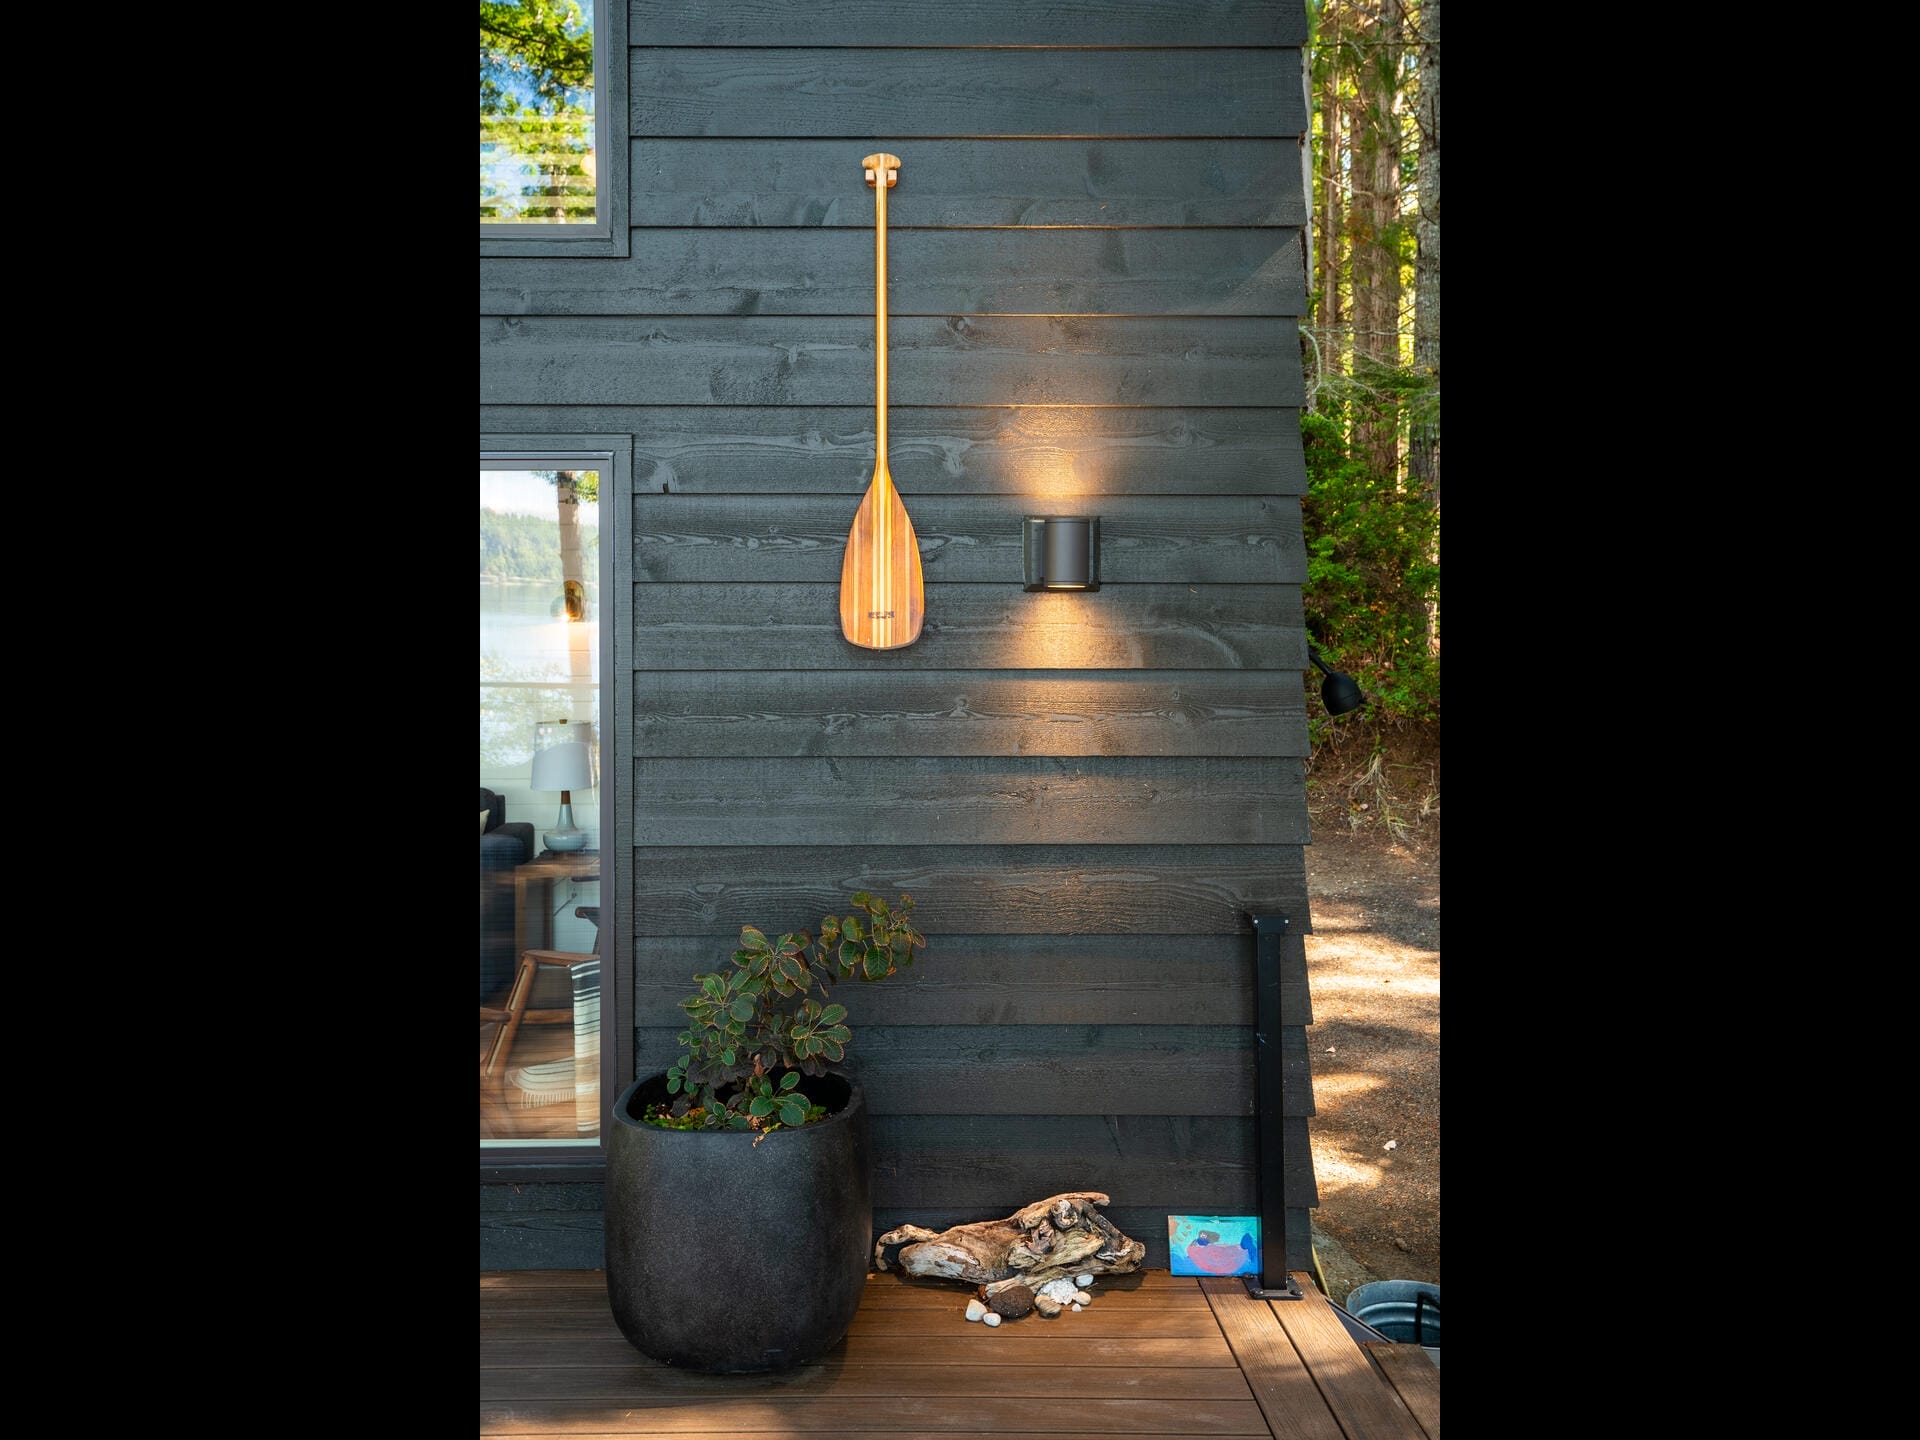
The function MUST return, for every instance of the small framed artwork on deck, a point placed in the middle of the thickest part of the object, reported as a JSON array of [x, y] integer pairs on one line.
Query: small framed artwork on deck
[[1214, 1244]]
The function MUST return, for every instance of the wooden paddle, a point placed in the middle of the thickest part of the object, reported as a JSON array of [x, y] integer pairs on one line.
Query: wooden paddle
[[882, 596]]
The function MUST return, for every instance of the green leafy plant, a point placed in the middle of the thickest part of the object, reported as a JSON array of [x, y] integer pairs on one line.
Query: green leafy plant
[[754, 1030], [1373, 582]]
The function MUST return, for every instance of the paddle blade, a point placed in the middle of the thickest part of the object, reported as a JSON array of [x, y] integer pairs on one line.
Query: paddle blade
[[882, 595]]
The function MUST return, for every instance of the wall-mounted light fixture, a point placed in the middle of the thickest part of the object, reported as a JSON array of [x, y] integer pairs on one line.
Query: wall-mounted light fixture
[[1337, 692], [1062, 552]]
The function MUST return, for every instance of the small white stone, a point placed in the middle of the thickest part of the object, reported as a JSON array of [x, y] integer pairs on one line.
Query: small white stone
[[1083, 1297], [1061, 1290], [1078, 1308], [1083, 1280], [992, 1319], [975, 1309]]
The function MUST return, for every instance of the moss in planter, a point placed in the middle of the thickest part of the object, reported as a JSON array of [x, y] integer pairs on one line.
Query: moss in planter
[[665, 1119]]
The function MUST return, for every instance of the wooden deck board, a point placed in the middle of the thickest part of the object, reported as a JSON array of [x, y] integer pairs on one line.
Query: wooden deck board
[[1367, 1407], [1415, 1379], [641, 1377], [1287, 1396], [1154, 1355], [966, 1347], [805, 1415], [1093, 1323]]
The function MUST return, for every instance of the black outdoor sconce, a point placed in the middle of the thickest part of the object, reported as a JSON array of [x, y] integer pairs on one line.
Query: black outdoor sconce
[[1337, 692], [1062, 552]]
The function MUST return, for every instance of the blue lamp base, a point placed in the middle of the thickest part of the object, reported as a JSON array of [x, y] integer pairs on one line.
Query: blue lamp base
[[564, 837]]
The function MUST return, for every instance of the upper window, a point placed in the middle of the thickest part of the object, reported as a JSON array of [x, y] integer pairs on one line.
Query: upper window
[[541, 131]]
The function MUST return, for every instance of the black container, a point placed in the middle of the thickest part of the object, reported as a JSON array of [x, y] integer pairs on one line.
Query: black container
[[729, 1257]]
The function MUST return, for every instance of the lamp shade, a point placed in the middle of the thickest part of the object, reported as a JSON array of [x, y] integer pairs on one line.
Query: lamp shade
[[566, 766]]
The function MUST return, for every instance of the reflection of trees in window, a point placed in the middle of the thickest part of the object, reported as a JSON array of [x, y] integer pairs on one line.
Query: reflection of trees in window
[[512, 702], [520, 548], [536, 111]]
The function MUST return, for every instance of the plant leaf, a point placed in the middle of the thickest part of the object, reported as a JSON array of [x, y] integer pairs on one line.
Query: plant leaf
[[741, 1009], [726, 1057], [833, 1014], [792, 1112], [789, 1080], [851, 927], [832, 1051], [753, 938], [877, 966]]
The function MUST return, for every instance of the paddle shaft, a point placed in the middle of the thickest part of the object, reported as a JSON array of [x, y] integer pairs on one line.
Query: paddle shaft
[[883, 178]]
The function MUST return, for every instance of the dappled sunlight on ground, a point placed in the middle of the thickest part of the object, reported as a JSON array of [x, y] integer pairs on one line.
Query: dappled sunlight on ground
[[1373, 970], [1333, 1172], [1406, 983], [1330, 1088]]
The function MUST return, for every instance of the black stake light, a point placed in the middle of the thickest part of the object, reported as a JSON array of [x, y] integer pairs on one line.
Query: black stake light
[[1337, 692]]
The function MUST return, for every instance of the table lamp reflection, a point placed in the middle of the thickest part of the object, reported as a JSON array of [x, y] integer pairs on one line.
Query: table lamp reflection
[[563, 763]]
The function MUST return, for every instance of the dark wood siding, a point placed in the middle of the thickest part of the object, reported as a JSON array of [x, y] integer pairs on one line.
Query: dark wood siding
[[1095, 277]]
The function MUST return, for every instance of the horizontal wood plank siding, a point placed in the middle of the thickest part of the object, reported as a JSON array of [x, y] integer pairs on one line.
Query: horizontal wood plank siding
[[1079, 1069], [1182, 539], [905, 94], [1024, 980], [968, 22], [942, 272], [1096, 278], [976, 627], [964, 184], [973, 889], [944, 800], [828, 360], [970, 712], [1045, 455]]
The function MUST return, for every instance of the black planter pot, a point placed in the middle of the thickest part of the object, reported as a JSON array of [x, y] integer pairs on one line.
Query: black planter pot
[[726, 1256]]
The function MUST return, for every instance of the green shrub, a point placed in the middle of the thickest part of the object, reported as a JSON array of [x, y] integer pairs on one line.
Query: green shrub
[[1371, 575], [753, 1031]]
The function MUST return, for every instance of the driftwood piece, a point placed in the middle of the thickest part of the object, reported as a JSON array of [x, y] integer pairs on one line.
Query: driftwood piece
[[1060, 1236]]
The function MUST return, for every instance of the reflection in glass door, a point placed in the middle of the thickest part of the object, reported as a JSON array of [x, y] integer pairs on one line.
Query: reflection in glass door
[[540, 821]]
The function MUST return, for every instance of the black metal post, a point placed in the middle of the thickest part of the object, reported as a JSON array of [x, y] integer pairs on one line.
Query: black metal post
[[1270, 1136]]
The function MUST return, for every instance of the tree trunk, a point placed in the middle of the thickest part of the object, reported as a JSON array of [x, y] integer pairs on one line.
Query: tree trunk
[[1328, 327], [1376, 265], [1423, 450], [573, 582], [1423, 447]]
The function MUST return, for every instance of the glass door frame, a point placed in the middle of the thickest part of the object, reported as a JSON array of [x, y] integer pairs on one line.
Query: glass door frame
[[612, 456]]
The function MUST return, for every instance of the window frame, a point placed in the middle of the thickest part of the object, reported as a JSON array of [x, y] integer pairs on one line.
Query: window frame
[[609, 234], [612, 456]]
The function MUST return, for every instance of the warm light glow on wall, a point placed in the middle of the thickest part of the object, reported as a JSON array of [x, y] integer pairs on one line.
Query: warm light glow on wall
[[1050, 465], [1055, 631]]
